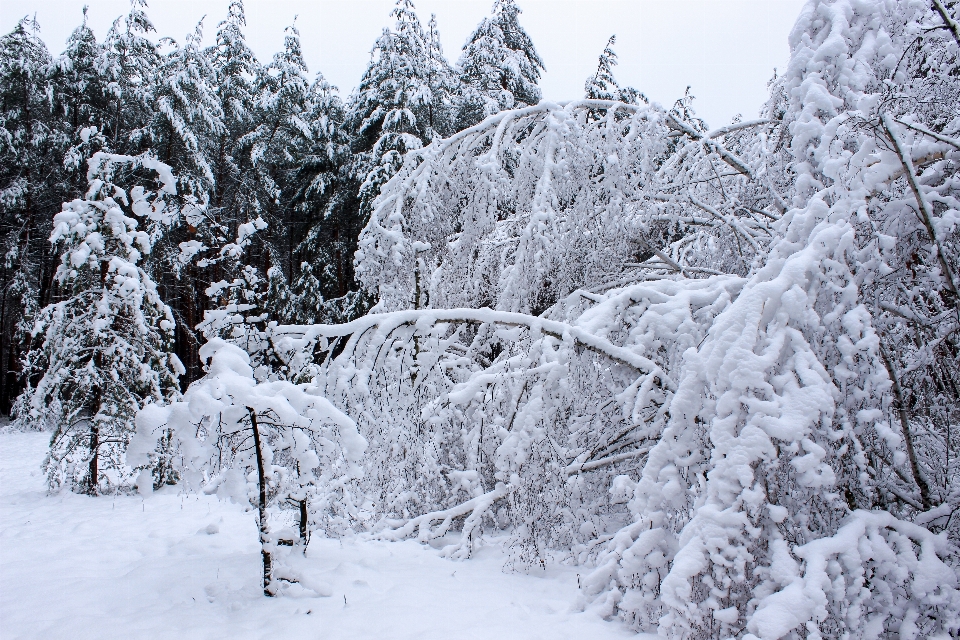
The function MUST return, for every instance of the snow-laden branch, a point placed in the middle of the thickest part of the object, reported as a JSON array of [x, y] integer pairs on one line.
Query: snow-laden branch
[[422, 525], [387, 322], [532, 204]]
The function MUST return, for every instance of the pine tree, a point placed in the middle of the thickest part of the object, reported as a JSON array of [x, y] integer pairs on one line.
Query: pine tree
[[250, 274], [104, 350], [603, 86], [444, 85], [326, 200], [499, 67], [188, 115], [236, 68], [390, 113], [31, 147], [184, 130], [129, 62], [233, 193], [275, 147], [81, 102]]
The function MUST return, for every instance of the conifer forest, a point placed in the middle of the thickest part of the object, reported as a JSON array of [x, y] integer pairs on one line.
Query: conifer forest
[[622, 371]]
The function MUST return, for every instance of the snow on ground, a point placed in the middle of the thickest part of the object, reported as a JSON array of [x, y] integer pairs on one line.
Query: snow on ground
[[173, 566]]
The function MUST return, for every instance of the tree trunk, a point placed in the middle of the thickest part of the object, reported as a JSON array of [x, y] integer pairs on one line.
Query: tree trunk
[[262, 508], [304, 533], [92, 483]]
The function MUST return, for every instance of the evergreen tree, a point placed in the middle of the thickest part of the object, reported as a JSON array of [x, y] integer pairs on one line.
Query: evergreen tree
[[104, 350], [188, 115], [185, 128], [499, 67], [444, 85], [390, 113], [275, 146], [233, 191], [129, 62], [30, 152], [80, 102], [603, 86], [325, 199], [236, 68], [249, 275]]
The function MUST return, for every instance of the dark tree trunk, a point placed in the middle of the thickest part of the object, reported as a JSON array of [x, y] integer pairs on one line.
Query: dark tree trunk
[[304, 533], [262, 508], [92, 484]]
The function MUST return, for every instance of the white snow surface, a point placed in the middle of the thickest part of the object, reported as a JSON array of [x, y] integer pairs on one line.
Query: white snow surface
[[174, 566]]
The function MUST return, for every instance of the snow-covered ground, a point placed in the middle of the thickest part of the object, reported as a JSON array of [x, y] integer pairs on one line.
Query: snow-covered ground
[[173, 566]]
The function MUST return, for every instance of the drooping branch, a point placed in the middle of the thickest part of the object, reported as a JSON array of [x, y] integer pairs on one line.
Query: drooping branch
[[936, 136], [577, 468], [420, 525], [424, 317], [712, 145], [926, 215]]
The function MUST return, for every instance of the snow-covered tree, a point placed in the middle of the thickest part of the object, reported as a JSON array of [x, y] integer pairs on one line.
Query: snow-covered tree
[[236, 67], [552, 199], [188, 115], [499, 67], [129, 62], [326, 199], [257, 444], [783, 437], [81, 101], [104, 350], [444, 85], [786, 496], [248, 240], [603, 86], [31, 144], [280, 128], [234, 194], [240, 303], [392, 110]]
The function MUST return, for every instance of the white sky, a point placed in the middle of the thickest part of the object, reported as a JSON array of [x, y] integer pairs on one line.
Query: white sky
[[725, 49]]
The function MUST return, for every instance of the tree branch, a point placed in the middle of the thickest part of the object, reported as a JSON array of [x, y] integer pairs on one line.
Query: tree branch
[[926, 215], [907, 435]]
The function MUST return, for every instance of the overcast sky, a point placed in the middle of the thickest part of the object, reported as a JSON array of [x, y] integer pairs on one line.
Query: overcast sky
[[726, 50]]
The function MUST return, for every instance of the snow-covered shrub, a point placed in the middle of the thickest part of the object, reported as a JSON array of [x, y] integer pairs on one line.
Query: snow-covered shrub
[[474, 416], [103, 351], [256, 444], [787, 432]]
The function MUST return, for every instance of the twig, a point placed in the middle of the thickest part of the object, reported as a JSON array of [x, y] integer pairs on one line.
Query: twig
[[936, 136], [576, 468]]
